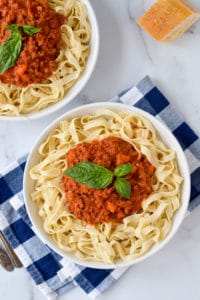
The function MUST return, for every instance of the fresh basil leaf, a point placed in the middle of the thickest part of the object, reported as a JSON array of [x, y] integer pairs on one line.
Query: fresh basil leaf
[[123, 170], [13, 28], [123, 187], [10, 50], [91, 174], [28, 29]]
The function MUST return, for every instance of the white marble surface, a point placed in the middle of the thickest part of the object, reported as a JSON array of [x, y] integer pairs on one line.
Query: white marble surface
[[126, 55]]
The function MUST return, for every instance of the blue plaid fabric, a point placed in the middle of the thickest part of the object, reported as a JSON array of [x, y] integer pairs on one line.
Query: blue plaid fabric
[[53, 274]]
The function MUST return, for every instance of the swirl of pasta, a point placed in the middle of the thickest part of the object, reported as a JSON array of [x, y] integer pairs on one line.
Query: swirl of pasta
[[71, 62], [106, 242]]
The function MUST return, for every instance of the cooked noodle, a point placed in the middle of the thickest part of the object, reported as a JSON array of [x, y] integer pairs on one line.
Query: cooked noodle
[[70, 64], [106, 242]]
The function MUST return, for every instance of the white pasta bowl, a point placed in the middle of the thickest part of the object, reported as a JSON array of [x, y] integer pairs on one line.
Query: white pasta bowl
[[166, 136], [81, 81]]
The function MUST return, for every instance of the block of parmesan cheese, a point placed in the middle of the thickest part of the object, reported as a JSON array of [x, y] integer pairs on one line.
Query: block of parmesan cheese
[[166, 20]]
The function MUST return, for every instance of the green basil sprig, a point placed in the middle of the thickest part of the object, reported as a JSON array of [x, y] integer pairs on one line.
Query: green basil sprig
[[98, 177], [10, 49], [123, 170], [29, 30], [93, 175], [123, 187]]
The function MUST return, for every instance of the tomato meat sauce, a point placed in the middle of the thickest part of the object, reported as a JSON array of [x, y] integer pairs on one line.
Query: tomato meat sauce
[[37, 60], [99, 206]]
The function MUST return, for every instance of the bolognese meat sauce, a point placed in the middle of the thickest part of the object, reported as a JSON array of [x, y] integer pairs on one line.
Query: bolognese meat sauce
[[97, 206], [37, 60]]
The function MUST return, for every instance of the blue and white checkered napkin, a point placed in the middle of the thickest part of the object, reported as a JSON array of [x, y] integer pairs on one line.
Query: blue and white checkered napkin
[[53, 274]]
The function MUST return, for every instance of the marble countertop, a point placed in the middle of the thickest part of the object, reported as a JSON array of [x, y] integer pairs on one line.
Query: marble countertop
[[127, 54]]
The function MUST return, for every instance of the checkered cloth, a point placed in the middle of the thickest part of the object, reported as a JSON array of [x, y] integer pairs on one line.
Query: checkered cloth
[[53, 274]]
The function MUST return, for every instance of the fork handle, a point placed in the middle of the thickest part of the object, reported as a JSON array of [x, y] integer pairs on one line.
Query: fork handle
[[5, 261], [13, 257]]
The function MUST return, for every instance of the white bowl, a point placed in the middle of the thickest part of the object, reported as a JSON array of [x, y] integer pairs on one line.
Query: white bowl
[[83, 79], [168, 139]]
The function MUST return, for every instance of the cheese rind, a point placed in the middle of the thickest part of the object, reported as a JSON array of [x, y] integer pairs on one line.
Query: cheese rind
[[168, 19]]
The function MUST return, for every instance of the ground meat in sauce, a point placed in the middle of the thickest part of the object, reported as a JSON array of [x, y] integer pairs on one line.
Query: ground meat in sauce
[[98, 206], [37, 59]]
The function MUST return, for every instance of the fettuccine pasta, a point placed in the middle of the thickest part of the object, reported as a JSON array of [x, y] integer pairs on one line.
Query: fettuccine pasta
[[71, 62], [106, 242]]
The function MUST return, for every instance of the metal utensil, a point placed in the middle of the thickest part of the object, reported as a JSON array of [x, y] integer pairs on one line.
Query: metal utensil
[[10, 252], [5, 261]]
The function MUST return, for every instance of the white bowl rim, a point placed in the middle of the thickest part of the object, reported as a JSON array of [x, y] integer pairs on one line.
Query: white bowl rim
[[157, 124], [84, 78]]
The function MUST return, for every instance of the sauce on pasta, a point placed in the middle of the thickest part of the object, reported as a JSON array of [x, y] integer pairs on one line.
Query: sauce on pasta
[[108, 241], [71, 61], [98, 206], [37, 60]]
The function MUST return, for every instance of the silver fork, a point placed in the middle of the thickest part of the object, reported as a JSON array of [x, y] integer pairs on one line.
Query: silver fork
[[5, 261], [10, 252]]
